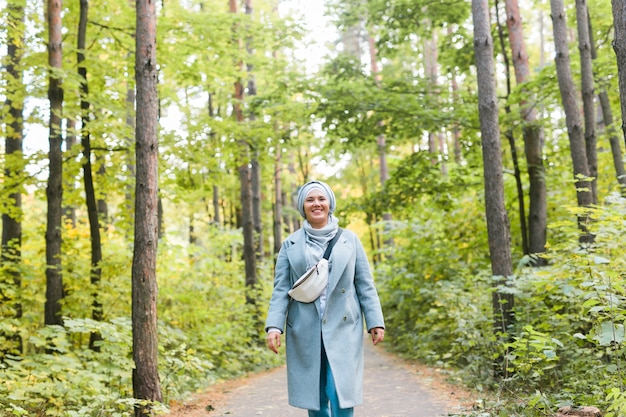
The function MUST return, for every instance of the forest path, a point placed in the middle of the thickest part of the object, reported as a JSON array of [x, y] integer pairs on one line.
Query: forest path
[[392, 388]]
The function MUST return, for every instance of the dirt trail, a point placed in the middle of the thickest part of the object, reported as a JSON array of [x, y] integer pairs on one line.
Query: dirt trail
[[392, 388]]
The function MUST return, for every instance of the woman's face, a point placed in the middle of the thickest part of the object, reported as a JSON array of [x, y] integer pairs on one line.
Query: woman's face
[[316, 208]]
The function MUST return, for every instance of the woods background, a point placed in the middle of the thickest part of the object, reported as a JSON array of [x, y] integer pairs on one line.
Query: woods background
[[475, 146]]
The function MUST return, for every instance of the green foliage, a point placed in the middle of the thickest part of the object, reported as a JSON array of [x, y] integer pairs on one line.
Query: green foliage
[[568, 347]]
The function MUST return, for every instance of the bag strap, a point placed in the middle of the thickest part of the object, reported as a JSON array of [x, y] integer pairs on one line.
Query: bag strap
[[332, 243]]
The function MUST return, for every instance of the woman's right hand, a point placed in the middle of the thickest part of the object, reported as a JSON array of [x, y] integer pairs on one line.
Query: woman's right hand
[[273, 341]]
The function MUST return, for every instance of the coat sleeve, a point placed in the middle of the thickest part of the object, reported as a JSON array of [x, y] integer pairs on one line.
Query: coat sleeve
[[277, 313], [366, 290]]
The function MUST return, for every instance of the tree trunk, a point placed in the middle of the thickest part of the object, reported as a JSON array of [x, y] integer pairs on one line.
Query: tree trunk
[[496, 215], [247, 220], [13, 172], [90, 194], [533, 138], [216, 205], [511, 138], [278, 201], [572, 116], [608, 123], [54, 190], [69, 210], [619, 46], [380, 140], [255, 166], [588, 94], [146, 383]]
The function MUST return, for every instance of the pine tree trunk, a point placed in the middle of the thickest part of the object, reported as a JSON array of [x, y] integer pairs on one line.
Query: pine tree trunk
[[497, 218], [572, 117], [511, 138], [69, 210], [608, 123], [247, 221], [381, 139], [13, 173], [619, 46], [90, 194], [533, 138], [588, 94], [146, 382], [54, 190], [278, 202]]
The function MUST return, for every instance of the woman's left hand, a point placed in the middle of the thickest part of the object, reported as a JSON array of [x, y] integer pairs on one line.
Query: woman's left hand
[[378, 334]]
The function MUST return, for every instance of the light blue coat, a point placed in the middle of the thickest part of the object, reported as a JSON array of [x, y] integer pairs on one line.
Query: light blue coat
[[351, 297]]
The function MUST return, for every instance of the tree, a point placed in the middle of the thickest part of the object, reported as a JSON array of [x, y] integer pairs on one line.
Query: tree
[[533, 137], [54, 190], [619, 46], [588, 94], [572, 117], [497, 218], [146, 382], [14, 170], [245, 181], [90, 194]]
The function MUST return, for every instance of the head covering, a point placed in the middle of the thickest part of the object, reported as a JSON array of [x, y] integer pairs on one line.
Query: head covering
[[316, 185]]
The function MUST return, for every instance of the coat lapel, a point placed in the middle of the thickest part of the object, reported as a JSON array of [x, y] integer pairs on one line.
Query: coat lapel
[[339, 260], [296, 251]]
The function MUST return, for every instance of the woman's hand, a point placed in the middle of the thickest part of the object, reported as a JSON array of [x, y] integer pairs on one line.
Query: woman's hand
[[378, 334], [273, 341]]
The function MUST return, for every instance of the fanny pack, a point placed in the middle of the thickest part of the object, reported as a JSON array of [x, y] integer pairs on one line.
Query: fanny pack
[[313, 282]]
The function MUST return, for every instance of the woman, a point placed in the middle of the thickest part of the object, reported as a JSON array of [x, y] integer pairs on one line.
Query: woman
[[325, 337]]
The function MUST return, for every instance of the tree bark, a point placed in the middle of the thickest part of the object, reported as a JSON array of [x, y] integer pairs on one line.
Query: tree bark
[[497, 218], [381, 139], [69, 210], [588, 94], [572, 117], [619, 46], [278, 201], [607, 122], [13, 172], [255, 166], [247, 220], [511, 137], [54, 190], [90, 194], [146, 383], [533, 138]]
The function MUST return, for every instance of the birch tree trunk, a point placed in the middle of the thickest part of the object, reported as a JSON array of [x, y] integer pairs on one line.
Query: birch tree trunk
[[572, 116], [146, 382], [497, 218], [533, 138], [54, 190]]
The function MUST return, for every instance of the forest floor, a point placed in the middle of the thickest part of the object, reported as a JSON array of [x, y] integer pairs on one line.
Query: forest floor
[[393, 387]]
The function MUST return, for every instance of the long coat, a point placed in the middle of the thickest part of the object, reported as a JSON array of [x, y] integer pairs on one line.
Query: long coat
[[351, 296]]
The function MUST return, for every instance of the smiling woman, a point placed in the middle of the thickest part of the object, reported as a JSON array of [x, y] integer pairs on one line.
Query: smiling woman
[[325, 336]]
